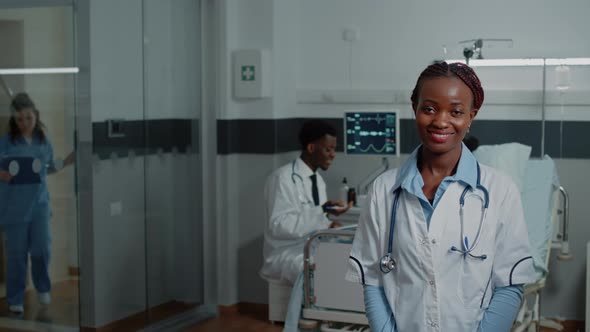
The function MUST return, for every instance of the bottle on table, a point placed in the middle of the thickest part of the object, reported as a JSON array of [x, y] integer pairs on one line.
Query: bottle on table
[[343, 193]]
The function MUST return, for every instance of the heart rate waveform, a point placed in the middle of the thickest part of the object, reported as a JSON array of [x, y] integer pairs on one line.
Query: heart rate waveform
[[367, 117], [371, 133]]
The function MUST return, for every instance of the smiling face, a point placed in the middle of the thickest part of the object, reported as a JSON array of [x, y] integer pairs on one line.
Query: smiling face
[[444, 113], [322, 152], [25, 121]]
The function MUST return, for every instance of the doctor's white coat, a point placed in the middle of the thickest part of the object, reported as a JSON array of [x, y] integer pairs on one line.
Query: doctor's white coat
[[291, 216], [433, 288]]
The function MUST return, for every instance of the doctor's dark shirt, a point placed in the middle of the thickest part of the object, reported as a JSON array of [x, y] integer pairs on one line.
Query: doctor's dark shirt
[[410, 179]]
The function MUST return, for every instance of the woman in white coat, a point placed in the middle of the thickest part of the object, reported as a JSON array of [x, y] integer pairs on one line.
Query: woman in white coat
[[442, 245]]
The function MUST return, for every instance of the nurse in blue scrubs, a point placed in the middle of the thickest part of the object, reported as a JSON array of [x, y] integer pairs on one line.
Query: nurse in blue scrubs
[[26, 158]]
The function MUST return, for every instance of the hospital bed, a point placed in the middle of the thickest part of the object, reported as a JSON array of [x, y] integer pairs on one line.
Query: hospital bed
[[339, 304], [541, 185]]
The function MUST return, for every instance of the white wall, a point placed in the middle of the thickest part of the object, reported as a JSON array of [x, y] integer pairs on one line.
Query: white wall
[[119, 241], [116, 82], [249, 25], [116, 60], [154, 233], [397, 40], [172, 77]]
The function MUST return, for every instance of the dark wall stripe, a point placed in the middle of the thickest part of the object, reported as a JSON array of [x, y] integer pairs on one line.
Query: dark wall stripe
[[268, 136], [576, 141], [408, 136], [264, 136], [499, 132], [146, 137]]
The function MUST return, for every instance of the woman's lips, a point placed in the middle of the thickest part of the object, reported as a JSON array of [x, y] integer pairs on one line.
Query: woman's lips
[[439, 137]]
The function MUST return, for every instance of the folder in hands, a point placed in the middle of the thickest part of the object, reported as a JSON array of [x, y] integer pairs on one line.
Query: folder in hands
[[24, 170]]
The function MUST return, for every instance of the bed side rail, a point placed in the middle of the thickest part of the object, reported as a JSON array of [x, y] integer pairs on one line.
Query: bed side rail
[[347, 231], [563, 234]]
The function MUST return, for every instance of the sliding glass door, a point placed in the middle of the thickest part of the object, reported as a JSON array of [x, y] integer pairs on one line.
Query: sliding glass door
[[172, 108], [117, 86], [141, 255], [37, 72]]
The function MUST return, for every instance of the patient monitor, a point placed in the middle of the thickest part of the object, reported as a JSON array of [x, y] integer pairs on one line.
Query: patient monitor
[[375, 133], [372, 133]]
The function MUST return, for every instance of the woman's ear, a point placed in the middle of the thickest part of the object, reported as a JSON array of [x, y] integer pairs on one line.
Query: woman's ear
[[473, 113]]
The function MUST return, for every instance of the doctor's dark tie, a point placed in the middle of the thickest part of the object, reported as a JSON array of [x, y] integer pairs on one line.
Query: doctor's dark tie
[[314, 190]]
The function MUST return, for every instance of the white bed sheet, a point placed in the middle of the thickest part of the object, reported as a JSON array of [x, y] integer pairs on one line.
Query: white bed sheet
[[540, 183]]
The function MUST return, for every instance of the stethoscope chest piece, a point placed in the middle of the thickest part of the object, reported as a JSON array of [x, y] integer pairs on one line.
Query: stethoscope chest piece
[[387, 264]]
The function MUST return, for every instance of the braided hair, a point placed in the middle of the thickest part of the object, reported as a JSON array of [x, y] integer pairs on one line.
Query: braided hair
[[459, 70]]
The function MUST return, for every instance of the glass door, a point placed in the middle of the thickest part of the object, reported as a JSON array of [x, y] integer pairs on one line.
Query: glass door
[[38, 212], [172, 108], [140, 246]]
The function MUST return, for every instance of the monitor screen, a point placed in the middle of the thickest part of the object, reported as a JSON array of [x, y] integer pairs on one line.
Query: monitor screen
[[372, 133]]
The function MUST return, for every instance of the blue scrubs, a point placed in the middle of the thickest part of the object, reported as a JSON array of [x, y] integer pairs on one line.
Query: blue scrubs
[[24, 216]]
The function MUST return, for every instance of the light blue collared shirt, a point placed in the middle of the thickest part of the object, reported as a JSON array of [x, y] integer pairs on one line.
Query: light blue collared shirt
[[410, 179]]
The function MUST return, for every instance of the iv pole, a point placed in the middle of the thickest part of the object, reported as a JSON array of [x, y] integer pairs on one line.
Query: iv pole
[[543, 109]]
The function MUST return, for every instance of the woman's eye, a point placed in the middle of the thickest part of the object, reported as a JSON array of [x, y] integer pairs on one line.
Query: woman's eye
[[428, 109], [457, 112]]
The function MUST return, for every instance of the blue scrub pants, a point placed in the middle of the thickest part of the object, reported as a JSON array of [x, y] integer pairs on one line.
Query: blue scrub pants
[[24, 238]]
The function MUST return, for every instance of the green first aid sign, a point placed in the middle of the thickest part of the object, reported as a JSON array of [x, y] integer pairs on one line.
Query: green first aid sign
[[248, 73]]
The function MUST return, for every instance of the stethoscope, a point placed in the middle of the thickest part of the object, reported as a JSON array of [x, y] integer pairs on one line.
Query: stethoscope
[[294, 175], [387, 263]]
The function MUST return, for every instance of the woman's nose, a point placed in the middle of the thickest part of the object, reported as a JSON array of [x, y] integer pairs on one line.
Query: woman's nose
[[441, 119]]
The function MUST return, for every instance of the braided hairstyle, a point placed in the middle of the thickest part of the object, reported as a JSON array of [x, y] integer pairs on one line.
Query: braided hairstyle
[[459, 70]]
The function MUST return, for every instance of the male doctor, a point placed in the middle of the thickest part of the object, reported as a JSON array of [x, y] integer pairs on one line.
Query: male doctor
[[297, 203]]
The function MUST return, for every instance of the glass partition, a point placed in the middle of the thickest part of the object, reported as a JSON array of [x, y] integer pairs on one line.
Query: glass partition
[[172, 109], [141, 246], [132, 114], [37, 73]]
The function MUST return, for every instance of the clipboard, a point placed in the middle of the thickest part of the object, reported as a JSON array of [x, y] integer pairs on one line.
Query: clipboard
[[24, 170]]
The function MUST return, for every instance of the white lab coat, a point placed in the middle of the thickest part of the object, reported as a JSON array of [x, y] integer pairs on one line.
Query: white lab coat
[[291, 216], [432, 288]]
